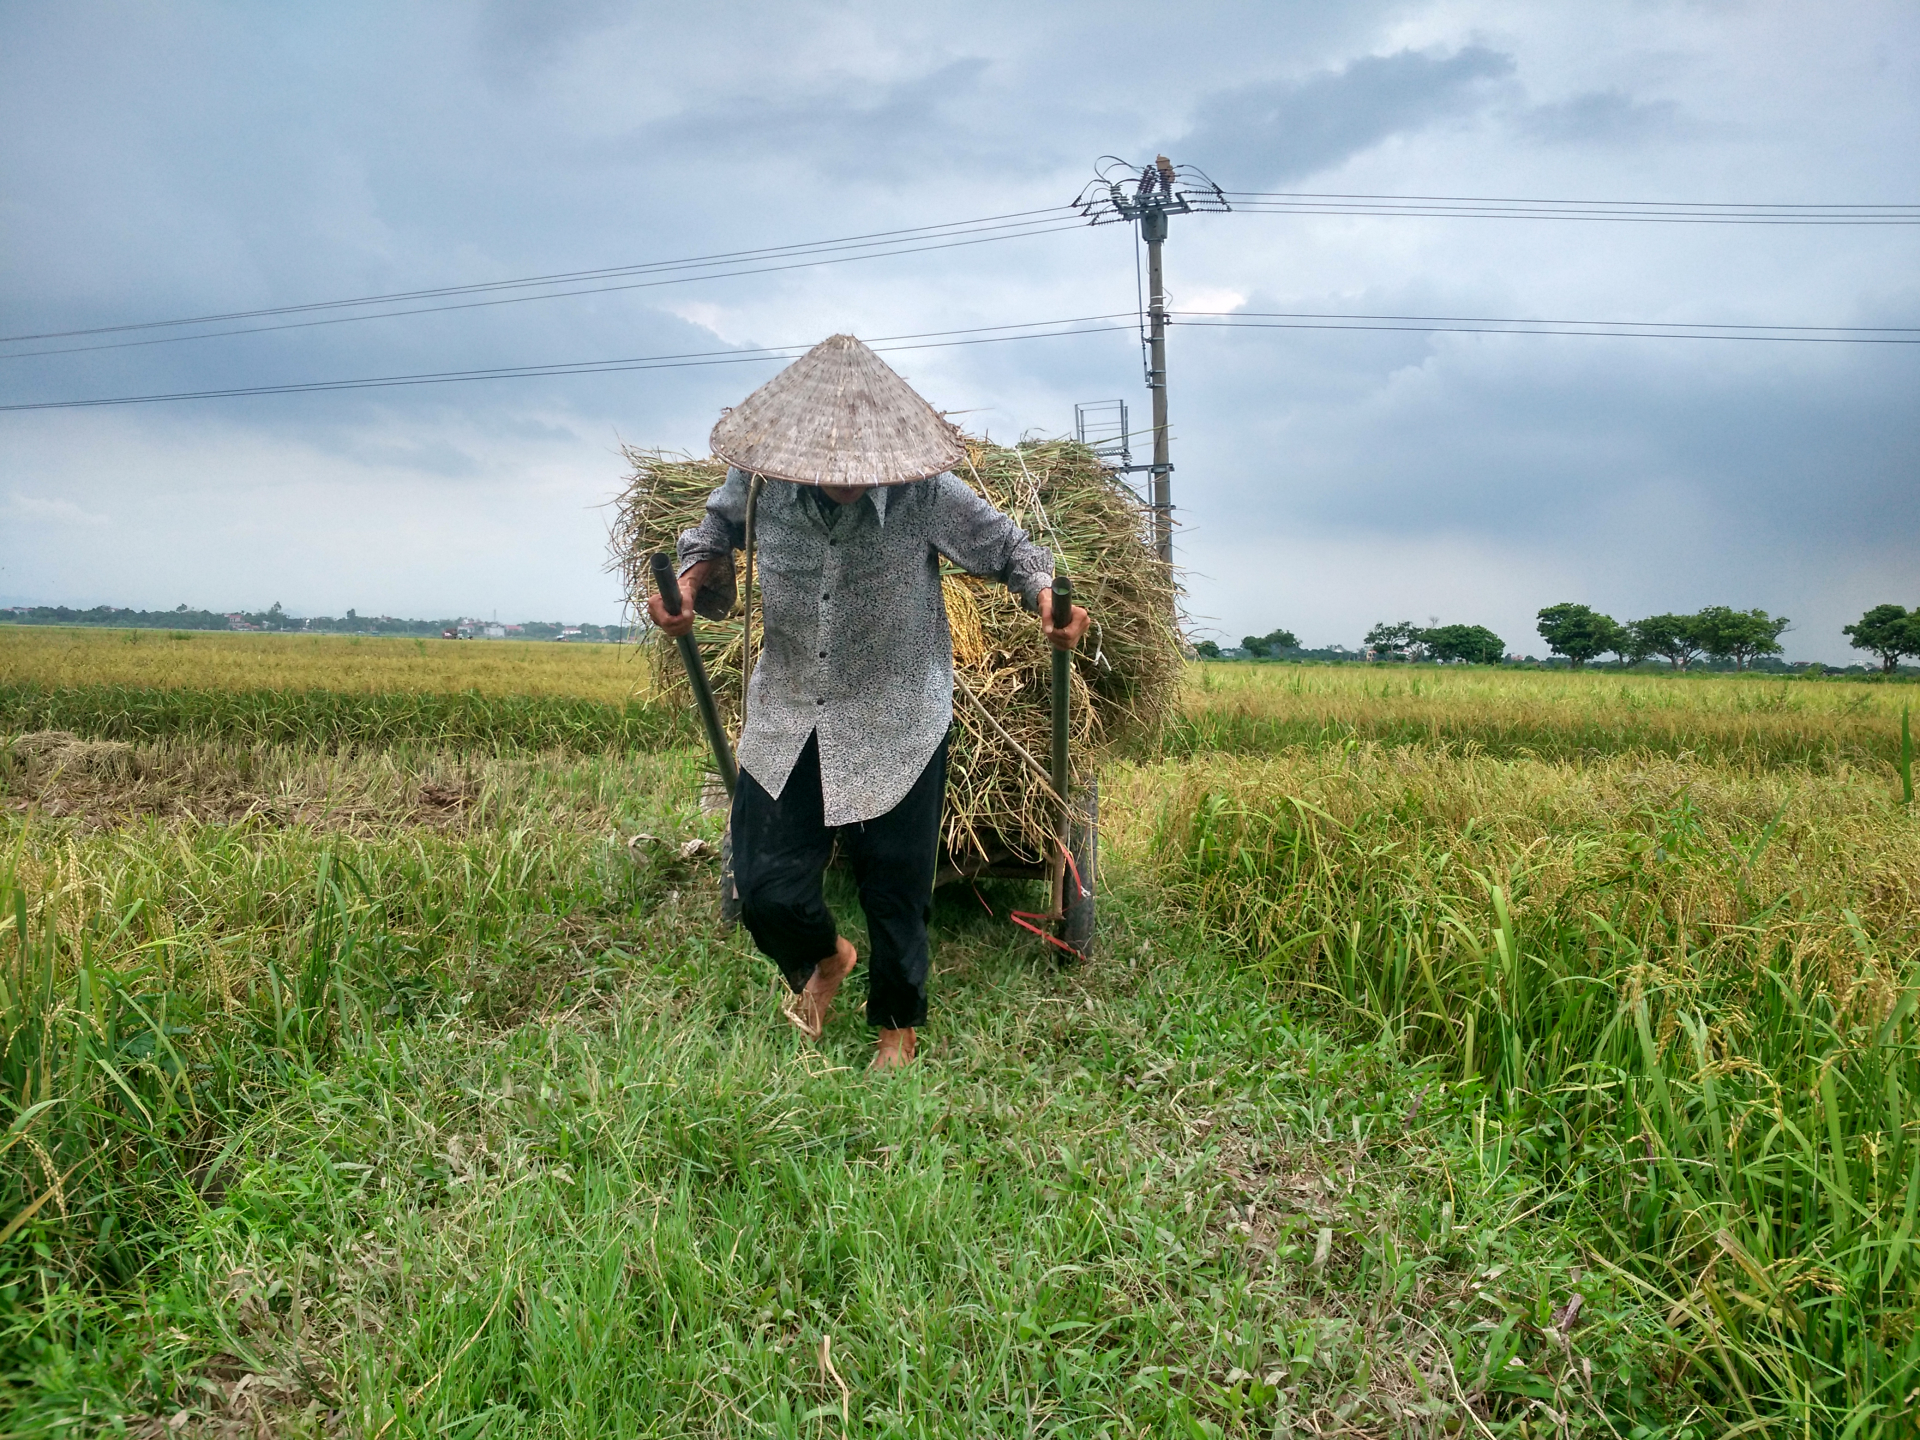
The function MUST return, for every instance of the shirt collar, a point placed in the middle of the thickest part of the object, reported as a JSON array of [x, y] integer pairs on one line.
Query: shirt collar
[[879, 495]]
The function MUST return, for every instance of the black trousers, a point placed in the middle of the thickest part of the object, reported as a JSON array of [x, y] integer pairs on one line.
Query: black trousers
[[780, 851]]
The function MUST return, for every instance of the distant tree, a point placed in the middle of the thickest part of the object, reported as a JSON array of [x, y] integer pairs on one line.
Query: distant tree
[[1889, 631], [1577, 632], [1741, 636], [1404, 637], [1261, 646], [1625, 646], [1474, 644], [1207, 650], [1674, 638]]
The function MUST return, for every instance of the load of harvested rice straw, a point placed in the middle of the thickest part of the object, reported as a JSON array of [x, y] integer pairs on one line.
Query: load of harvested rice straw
[[1125, 674]]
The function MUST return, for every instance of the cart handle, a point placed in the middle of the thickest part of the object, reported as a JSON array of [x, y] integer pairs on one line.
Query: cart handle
[[666, 582], [1062, 690], [689, 648]]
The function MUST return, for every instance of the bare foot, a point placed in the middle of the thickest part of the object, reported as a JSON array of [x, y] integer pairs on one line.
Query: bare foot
[[896, 1050], [810, 1009]]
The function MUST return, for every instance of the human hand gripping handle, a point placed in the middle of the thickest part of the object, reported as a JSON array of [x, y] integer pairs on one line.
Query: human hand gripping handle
[[671, 610], [1062, 621]]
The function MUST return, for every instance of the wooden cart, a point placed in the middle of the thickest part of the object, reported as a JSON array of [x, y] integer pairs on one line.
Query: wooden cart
[[1071, 872]]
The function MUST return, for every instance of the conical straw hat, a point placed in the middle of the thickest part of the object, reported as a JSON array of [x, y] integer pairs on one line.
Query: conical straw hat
[[837, 416]]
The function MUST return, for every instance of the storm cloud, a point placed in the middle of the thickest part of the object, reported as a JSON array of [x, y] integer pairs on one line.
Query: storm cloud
[[206, 159], [1278, 132]]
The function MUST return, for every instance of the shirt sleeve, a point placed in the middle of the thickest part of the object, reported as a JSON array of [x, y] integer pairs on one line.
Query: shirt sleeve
[[982, 541], [721, 531]]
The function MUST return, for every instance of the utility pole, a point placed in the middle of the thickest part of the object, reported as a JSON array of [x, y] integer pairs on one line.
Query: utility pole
[[1159, 190], [1153, 230]]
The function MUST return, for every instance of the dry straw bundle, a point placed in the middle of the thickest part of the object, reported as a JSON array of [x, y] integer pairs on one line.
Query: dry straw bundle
[[1126, 674]]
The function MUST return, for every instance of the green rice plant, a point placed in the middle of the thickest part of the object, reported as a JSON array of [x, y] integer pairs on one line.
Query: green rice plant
[[158, 984], [326, 719], [108, 1075], [1695, 1007], [1906, 755]]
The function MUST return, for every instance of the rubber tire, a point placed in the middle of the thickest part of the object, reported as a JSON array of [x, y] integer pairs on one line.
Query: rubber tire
[[1083, 838], [729, 892]]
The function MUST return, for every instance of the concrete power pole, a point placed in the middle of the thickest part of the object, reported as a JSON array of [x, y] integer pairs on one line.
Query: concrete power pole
[[1159, 190], [1153, 230]]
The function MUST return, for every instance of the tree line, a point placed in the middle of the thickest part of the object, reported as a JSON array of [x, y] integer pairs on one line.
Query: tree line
[[276, 619], [1738, 637], [1579, 633], [1468, 644]]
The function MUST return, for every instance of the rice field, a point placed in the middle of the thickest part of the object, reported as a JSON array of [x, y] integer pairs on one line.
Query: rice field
[[1748, 721], [1466, 1052], [57, 657]]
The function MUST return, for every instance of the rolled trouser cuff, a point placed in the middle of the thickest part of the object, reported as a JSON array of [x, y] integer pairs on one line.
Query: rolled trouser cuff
[[797, 944]]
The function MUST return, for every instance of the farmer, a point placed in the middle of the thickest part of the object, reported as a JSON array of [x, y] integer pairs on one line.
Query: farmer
[[848, 707]]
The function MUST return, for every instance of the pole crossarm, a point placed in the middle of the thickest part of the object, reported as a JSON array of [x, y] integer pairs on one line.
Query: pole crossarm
[[1125, 191]]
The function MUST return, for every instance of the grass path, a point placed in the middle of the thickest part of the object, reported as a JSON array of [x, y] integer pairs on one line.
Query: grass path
[[1138, 1201], [594, 1186]]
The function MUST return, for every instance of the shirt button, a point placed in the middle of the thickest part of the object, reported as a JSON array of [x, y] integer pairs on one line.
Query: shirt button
[[820, 702], [827, 596], [823, 654]]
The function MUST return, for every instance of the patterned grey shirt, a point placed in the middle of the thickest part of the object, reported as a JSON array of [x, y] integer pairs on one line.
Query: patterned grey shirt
[[855, 645]]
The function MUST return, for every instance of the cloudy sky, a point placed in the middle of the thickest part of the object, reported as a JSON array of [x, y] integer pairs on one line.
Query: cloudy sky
[[165, 161]]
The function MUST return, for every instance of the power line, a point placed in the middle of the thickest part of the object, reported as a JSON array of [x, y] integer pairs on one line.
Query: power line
[[686, 360], [1537, 200], [1624, 211], [1048, 329], [1435, 213], [1013, 225], [1601, 329], [1667, 329], [1037, 228], [875, 237]]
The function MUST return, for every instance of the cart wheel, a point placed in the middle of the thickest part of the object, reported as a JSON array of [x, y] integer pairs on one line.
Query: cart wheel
[[1083, 838], [729, 892]]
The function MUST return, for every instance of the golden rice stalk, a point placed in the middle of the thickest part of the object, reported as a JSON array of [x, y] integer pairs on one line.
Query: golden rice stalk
[[1126, 674]]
